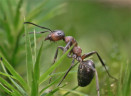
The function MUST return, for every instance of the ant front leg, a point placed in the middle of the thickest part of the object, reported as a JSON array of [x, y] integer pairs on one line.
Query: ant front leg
[[67, 72], [59, 47], [103, 64], [69, 55], [64, 49]]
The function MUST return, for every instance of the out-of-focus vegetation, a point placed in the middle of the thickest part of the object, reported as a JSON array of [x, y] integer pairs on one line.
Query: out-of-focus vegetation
[[97, 26], [12, 14]]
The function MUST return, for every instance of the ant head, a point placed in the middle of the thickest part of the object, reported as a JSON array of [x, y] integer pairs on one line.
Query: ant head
[[55, 35]]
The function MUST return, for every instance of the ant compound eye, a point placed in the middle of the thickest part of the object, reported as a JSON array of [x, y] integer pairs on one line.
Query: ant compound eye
[[59, 34]]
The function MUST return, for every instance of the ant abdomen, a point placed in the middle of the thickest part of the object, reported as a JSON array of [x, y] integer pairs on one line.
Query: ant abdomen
[[86, 72]]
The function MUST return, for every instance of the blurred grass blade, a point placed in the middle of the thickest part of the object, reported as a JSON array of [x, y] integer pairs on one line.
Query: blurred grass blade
[[51, 84], [35, 12], [59, 73], [10, 10], [127, 81], [6, 5], [14, 73], [14, 82], [18, 13], [69, 91], [3, 51], [6, 25], [7, 75], [36, 74], [53, 12], [52, 92], [5, 89], [55, 90], [35, 46], [45, 75], [19, 88], [29, 62], [75, 92], [44, 94], [10, 86]]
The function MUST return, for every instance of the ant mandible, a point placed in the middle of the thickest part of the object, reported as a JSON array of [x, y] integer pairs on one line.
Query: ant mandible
[[86, 69]]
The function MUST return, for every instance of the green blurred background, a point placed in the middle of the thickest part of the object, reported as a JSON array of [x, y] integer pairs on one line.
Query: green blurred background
[[100, 26]]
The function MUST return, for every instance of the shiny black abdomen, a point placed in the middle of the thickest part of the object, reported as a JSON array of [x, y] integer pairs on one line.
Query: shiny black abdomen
[[86, 71]]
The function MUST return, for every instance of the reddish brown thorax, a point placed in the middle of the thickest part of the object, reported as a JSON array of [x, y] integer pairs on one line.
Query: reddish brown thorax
[[70, 38], [77, 50]]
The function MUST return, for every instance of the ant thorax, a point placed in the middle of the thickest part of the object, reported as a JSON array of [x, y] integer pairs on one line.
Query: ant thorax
[[77, 50], [70, 38]]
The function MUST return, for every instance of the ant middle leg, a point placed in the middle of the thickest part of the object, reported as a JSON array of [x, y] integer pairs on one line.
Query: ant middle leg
[[64, 49], [67, 72], [59, 47]]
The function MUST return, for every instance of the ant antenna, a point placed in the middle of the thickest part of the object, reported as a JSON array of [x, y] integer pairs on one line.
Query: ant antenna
[[38, 26], [37, 32]]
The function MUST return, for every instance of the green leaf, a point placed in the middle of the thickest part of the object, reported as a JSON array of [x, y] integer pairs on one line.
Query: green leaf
[[52, 92], [35, 46], [53, 12], [55, 90], [5, 89], [29, 62], [19, 88], [14, 73], [35, 12], [7, 75], [51, 84], [45, 75], [9, 86], [75, 92], [18, 13], [44, 94], [36, 74], [7, 7], [14, 82], [70, 92], [6, 25], [127, 81]]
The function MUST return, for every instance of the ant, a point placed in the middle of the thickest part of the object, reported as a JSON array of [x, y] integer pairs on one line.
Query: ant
[[86, 69]]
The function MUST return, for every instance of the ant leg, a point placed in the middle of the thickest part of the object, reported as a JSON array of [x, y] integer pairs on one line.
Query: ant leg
[[97, 83], [69, 55], [103, 64], [64, 49], [67, 46], [67, 72], [37, 32], [59, 47]]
